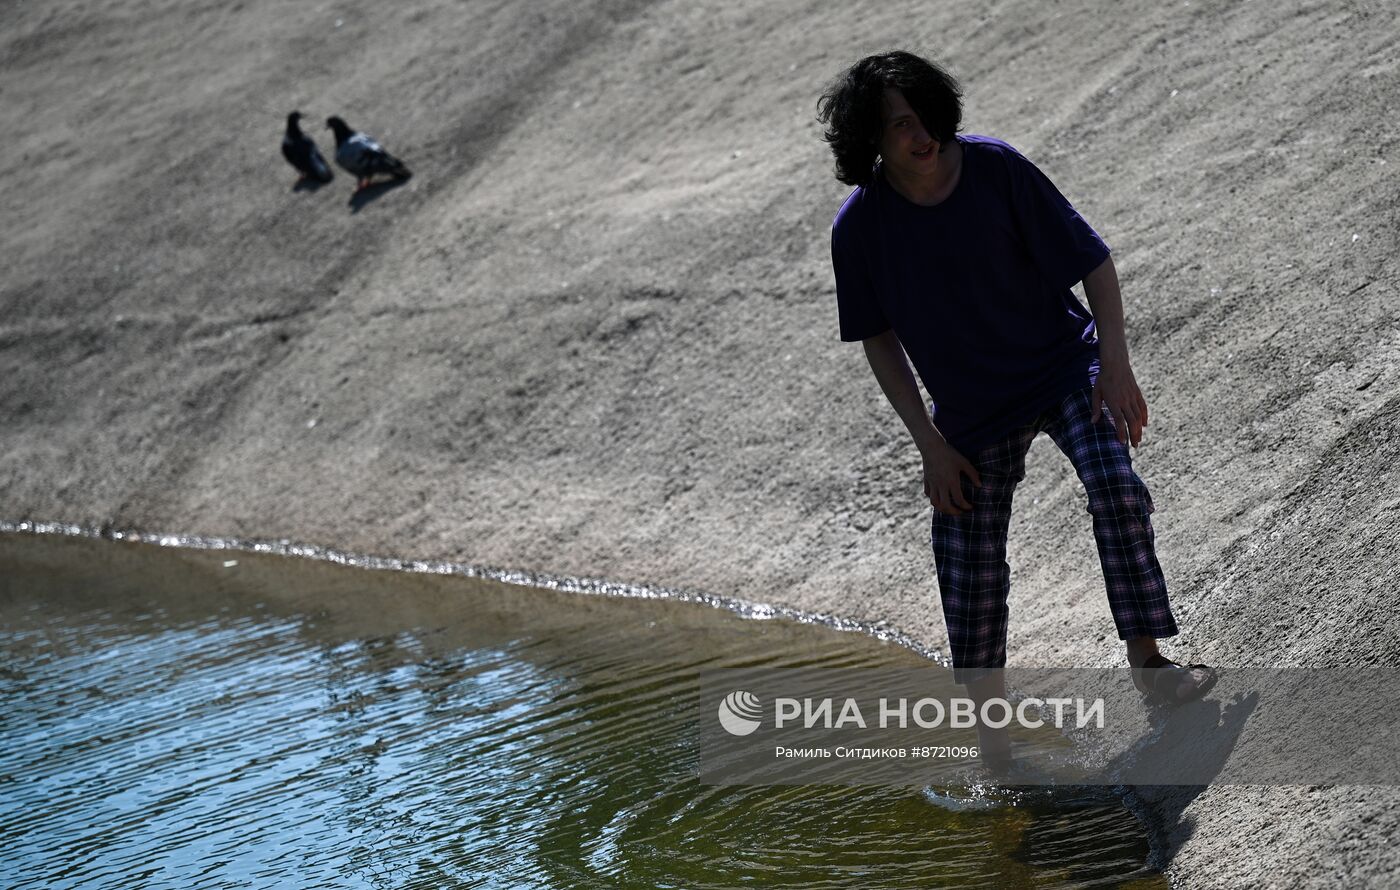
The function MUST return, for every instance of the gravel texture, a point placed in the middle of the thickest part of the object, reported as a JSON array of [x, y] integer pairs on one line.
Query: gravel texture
[[595, 334]]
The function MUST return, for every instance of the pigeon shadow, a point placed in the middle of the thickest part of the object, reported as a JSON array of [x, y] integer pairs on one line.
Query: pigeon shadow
[[307, 185], [371, 193]]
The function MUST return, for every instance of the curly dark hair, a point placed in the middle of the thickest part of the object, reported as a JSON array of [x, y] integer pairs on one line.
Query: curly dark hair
[[852, 108]]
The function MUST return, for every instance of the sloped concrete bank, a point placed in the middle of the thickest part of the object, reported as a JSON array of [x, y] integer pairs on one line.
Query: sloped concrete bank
[[595, 335]]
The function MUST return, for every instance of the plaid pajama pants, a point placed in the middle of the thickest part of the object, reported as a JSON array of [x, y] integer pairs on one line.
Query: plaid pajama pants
[[970, 550]]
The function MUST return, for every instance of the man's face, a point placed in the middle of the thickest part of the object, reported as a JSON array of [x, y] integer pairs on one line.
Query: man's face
[[905, 145]]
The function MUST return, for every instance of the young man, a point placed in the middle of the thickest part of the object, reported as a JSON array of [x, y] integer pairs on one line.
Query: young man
[[958, 251]]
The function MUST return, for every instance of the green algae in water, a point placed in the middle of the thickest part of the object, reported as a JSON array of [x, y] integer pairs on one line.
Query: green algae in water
[[167, 720]]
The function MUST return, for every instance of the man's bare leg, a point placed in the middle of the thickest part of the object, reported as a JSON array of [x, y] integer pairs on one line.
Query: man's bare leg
[[995, 744], [1140, 649]]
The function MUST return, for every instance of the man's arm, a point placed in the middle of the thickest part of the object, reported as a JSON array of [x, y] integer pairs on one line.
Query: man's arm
[[943, 465], [1116, 389]]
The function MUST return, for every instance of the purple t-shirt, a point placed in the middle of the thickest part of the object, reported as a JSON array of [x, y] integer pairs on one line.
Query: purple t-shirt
[[977, 288]]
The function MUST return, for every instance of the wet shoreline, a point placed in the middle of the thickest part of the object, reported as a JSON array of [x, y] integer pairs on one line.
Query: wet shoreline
[[1128, 797]]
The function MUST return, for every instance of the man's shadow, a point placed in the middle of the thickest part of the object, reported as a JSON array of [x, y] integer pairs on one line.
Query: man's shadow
[[1184, 750], [1191, 743]]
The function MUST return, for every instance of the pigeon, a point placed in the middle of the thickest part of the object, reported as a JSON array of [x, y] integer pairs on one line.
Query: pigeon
[[303, 154], [359, 154]]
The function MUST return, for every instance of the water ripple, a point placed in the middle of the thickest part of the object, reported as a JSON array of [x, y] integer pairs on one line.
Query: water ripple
[[167, 721]]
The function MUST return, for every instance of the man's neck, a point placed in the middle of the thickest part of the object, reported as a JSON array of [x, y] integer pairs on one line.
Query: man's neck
[[936, 187]]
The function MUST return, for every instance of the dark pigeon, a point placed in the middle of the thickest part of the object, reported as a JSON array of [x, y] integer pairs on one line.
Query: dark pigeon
[[303, 154], [360, 155]]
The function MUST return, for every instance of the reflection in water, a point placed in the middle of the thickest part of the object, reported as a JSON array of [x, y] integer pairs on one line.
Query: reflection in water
[[167, 720]]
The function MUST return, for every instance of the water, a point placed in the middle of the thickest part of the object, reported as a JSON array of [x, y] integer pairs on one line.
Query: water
[[170, 721]]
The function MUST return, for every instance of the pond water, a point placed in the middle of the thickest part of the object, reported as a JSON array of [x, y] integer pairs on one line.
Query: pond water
[[187, 718]]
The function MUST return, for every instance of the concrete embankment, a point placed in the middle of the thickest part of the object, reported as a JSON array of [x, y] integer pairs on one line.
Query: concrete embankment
[[595, 334]]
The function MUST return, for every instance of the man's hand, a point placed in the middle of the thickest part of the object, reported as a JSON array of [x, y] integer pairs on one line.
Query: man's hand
[[944, 468], [1116, 391], [1116, 394]]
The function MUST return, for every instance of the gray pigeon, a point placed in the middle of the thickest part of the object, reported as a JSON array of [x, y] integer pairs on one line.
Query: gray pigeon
[[359, 154], [302, 153]]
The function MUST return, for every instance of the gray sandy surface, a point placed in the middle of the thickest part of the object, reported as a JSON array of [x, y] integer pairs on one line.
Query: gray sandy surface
[[595, 334]]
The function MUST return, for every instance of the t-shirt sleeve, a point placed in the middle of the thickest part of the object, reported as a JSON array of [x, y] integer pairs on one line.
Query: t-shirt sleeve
[[1064, 247], [860, 312]]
